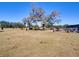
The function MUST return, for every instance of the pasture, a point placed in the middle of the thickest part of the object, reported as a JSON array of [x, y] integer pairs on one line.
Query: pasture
[[20, 43]]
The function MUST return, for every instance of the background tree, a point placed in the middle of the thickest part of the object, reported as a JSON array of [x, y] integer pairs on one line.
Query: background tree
[[6, 24], [24, 21]]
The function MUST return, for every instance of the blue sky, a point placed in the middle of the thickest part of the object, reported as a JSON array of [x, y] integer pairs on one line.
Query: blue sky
[[15, 11]]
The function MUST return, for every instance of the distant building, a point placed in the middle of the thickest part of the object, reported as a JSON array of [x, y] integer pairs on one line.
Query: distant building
[[73, 28]]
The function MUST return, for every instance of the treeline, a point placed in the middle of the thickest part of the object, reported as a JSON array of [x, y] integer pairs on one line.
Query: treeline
[[6, 24]]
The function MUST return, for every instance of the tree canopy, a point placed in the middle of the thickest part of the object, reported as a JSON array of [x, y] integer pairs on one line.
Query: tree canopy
[[38, 15]]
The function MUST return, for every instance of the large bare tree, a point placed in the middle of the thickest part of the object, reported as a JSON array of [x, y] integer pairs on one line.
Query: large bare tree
[[38, 14]]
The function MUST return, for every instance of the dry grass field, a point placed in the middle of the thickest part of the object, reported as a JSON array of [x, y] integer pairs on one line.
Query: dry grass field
[[17, 42]]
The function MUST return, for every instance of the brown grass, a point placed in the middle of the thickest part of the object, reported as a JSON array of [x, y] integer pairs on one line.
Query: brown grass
[[16, 42]]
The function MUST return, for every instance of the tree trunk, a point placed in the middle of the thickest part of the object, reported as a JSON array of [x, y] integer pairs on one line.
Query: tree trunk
[[53, 28], [43, 26], [30, 28]]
